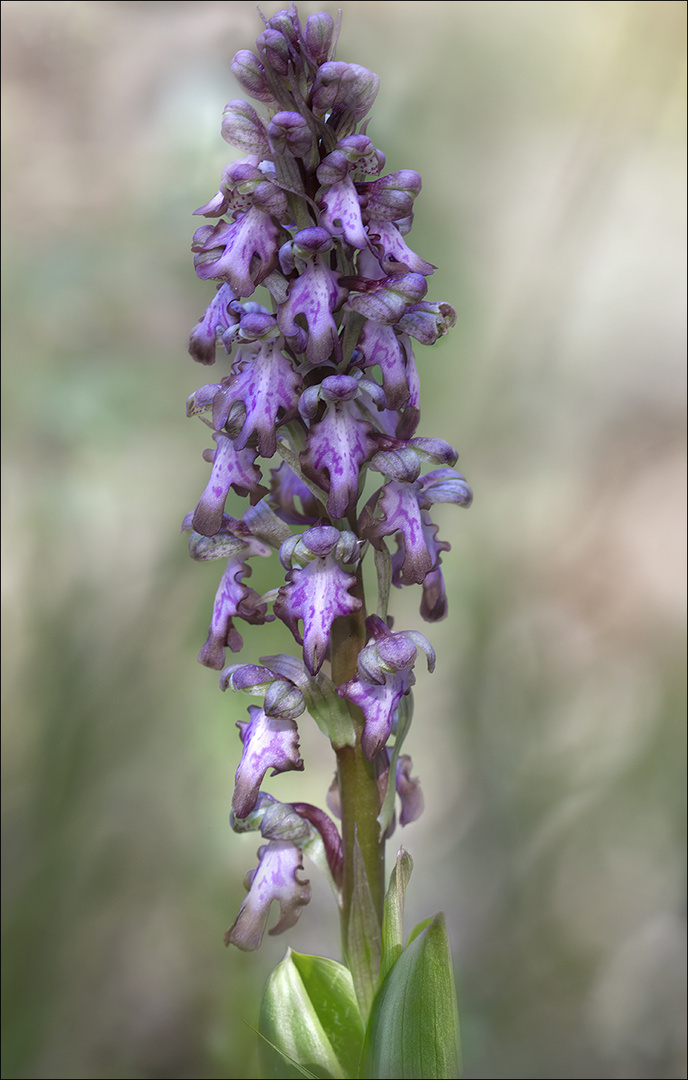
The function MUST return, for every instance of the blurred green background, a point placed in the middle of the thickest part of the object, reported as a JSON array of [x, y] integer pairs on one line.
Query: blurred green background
[[550, 740]]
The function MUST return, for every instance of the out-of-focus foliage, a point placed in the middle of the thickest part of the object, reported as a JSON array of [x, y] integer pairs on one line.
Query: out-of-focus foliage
[[549, 137]]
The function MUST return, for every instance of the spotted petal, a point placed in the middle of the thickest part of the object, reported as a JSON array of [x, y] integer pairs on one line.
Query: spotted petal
[[270, 742], [276, 878], [318, 595], [232, 599], [241, 253]]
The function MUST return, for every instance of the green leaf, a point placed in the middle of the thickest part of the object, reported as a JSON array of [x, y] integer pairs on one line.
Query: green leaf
[[309, 1019], [392, 918], [414, 1026]]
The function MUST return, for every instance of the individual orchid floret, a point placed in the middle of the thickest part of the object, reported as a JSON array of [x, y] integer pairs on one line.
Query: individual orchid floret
[[398, 506], [289, 131], [313, 296], [319, 36], [203, 338], [348, 85], [282, 699], [242, 253], [380, 345], [250, 74], [427, 321], [232, 468], [269, 742], [317, 594], [232, 600], [384, 675], [308, 826], [285, 488], [268, 387], [341, 204], [276, 878], [390, 198], [385, 300], [273, 49], [340, 441], [433, 605], [242, 127], [393, 253]]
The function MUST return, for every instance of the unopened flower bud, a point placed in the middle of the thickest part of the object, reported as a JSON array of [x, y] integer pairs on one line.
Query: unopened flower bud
[[250, 74], [338, 83], [274, 51], [289, 131], [242, 127], [426, 322], [318, 33]]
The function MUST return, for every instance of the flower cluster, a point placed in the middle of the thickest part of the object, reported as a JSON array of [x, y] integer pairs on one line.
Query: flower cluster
[[321, 389]]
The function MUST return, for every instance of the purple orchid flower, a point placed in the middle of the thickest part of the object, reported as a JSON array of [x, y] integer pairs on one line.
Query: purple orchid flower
[[322, 374], [384, 675], [317, 594], [270, 742], [276, 878]]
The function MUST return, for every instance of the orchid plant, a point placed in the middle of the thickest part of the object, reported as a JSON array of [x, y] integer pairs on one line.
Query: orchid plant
[[315, 424]]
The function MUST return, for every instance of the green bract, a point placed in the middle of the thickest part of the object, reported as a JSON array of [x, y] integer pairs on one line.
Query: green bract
[[309, 1015], [413, 1033]]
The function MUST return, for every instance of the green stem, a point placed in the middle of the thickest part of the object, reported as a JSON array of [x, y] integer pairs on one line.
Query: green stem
[[360, 805]]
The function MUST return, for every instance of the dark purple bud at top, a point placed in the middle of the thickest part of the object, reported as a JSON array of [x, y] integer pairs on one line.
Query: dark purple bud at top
[[289, 131], [391, 197], [242, 127], [319, 32], [287, 23], [338, 83], [250, 74], [270, 742], [274, 51], [428, 321]]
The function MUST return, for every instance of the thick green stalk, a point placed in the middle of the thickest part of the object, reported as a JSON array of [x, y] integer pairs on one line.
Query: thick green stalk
[[360, 804]]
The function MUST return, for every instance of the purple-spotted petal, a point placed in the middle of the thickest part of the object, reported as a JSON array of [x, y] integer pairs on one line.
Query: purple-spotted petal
[[216, 320], [318, 595], [380, 344], [378, 704], [276, 878], [270, 742], [314, 295], [401, 512], [231, 468], [269, 388], [241, 253], [392, 251], [233, 598], [336, 447]]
